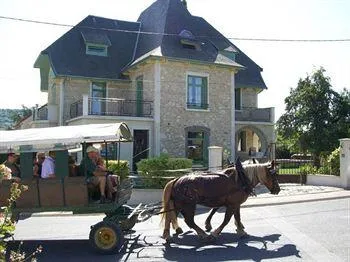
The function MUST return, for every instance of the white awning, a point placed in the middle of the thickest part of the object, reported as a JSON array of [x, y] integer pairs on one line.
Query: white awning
[[62, 137]]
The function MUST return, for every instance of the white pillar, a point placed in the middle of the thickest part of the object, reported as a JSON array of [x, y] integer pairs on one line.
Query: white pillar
[[157, 87], [233, 118], [85, 104], [61, 107], [215, 158], [345, 162]]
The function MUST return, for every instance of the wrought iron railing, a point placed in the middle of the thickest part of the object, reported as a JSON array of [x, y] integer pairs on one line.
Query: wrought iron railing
[[111, 107], [41, 113]]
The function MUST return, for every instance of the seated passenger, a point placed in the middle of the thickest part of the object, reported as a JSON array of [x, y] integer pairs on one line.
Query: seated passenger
[[111, 179], [38, 165], [11, 163], [72, 167], [95, 175], [48, 167]]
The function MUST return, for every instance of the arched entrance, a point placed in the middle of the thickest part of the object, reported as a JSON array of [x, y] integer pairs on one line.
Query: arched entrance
[[251, 142]]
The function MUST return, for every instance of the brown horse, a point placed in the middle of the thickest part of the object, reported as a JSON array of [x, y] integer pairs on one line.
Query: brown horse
[[213, 190]]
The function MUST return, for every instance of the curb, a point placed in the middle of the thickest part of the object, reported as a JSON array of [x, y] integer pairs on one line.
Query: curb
[[297, 199]]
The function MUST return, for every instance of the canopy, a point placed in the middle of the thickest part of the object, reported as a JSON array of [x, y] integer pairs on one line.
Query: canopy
[[62, 137]]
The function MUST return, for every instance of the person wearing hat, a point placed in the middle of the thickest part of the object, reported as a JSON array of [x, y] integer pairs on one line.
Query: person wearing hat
[[11, 163], [94, 175]]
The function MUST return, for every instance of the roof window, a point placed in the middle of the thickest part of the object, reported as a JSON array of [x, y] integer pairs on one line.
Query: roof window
[[96, 43], [188, 40]]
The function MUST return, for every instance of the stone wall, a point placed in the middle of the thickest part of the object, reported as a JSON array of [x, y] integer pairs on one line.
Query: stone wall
[[249, 98], [175, 116]]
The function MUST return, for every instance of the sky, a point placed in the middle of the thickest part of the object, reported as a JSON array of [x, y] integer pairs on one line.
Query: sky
[[284, 63]]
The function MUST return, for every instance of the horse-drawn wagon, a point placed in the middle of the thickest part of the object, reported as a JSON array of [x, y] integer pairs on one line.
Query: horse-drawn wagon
[[71, 193]]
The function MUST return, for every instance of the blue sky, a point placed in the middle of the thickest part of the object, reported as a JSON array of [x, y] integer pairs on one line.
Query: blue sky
[[283, 62]]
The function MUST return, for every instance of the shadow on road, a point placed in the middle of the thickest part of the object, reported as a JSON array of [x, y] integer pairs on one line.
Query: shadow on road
[[185, 247], [229, 247]]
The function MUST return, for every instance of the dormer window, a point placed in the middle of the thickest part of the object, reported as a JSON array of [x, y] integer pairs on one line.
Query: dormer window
[[96, 43], [93, 49], [188, 40]]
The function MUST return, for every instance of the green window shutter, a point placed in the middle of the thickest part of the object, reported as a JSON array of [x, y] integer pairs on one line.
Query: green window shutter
[[139, 96], [204, 93]]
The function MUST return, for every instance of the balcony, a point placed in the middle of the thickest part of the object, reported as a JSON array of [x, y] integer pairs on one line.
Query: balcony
[[256, 114], [89, 106]]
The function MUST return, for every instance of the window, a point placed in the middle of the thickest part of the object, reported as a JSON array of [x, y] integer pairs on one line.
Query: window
[[92, 49], [98, 98], [238, 99], [197, 92]]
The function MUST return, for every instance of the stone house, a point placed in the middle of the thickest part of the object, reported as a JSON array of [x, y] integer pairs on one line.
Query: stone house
[[177, 82]]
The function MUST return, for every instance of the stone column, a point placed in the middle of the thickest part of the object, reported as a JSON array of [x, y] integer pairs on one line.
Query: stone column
[[345, 162], [215, 158]]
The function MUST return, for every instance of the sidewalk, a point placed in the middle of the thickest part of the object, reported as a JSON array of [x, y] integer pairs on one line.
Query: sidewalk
[[295, 193]]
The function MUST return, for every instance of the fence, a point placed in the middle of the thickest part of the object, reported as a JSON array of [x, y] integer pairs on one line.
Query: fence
[[292, 166]]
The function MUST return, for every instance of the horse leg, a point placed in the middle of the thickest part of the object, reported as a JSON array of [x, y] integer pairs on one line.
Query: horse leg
[[239, 226], [188, 213], [227, 218], [208, 226], [176, 227]]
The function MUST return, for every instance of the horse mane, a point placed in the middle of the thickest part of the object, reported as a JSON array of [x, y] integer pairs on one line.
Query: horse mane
[[247, 176]]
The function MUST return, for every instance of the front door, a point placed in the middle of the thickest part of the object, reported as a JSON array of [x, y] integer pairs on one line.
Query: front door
[[141, 147]]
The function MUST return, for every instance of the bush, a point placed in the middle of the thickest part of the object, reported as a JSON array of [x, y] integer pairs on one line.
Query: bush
[[157, 171], [333, 162], [308, 169], [120, 168]]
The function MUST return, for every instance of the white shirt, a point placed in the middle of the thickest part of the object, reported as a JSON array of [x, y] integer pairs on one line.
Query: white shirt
[[48, 168]]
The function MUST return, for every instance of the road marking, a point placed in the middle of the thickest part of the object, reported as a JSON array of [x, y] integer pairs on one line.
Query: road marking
[[312, 248]]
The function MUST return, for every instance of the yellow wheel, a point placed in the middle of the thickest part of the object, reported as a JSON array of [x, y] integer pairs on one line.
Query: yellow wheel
[[106, 237]]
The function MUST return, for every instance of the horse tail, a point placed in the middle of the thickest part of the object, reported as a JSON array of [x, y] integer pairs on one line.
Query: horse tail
[[168, 212]]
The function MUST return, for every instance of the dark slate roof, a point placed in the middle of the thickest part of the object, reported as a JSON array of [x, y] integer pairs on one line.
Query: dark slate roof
[[170, 18], [96, 37], [68, 53]]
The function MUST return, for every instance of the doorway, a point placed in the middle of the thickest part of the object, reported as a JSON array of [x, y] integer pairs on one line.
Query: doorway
[[140, 148]]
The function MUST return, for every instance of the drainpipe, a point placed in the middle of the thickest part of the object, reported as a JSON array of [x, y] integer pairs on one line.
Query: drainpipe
[[157, 88], [233, 118], [61, 107]]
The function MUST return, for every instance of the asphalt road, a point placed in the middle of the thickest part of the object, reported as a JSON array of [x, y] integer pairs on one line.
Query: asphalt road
[[312, 231]]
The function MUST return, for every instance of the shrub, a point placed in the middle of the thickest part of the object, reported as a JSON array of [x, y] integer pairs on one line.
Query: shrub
[[120, 168], [333, 162], [308, 169], [157, 171]]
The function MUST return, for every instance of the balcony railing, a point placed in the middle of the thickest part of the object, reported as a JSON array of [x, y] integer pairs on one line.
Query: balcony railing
[[255, 114], [111, 107], [40, 113]]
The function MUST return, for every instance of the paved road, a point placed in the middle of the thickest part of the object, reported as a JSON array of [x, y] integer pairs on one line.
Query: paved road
[[312, 231]]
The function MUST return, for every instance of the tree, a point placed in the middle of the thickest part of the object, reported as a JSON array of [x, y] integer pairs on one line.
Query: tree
[[316, 116], [18, 115]]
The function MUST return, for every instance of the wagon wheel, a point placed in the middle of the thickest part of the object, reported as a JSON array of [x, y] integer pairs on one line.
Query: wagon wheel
[[106, 237]]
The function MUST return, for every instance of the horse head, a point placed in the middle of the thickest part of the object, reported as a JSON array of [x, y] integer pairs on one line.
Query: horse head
[[269, 178]]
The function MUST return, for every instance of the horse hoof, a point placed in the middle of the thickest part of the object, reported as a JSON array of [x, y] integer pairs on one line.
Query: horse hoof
[[169, 240], [178, 231], [241, 233]]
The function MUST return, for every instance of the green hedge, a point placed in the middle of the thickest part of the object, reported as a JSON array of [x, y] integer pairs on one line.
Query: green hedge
[[120, 168], [157, 171]]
